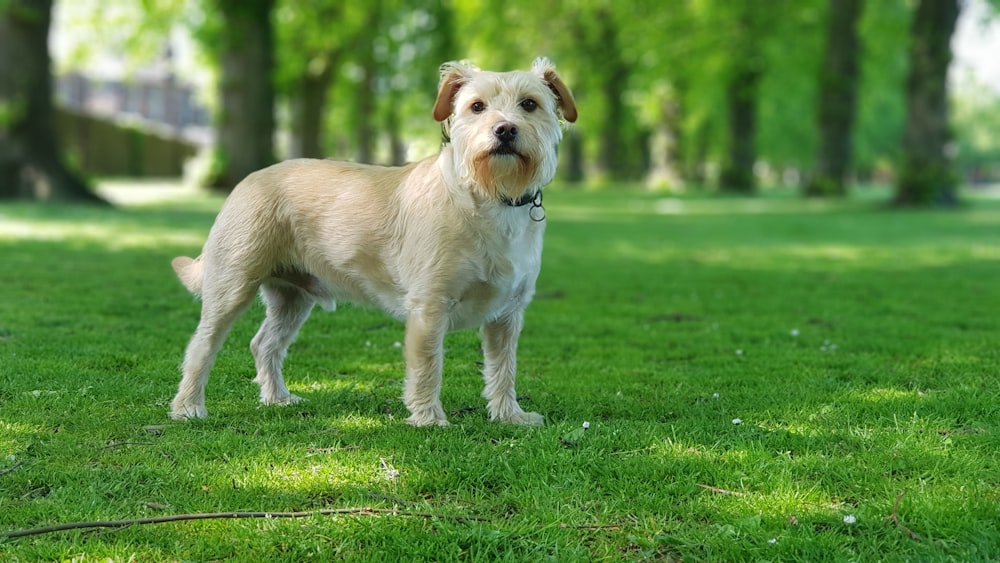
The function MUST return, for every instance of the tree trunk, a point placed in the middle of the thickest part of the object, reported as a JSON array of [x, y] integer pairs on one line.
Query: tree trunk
[[614, 72], [31, 164], [365, 95], [665, 169], [741, 103], [838, 86], [697, 172], [397, 147], [572, 148], [246, 121], [308, 106], [366, 109], [926, 176]]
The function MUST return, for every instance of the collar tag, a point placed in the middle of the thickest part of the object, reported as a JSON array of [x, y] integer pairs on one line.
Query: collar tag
[[536, 212]]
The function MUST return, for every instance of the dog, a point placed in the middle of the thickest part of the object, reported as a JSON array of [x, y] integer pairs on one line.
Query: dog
[[447, 243]]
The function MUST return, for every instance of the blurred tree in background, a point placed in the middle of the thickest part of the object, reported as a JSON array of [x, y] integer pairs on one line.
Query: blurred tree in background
[[681, 95], [926, 174], [243, 41], [31, 162], [838, 94]]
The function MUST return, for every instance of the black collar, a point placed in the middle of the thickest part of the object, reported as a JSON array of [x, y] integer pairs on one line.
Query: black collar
[[537, 212], [523, 200]]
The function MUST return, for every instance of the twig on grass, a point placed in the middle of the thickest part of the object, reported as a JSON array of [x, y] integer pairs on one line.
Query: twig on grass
[[365, 511], [720, 491], [114, 445], [592, 527], [12, 468], [895, 519]]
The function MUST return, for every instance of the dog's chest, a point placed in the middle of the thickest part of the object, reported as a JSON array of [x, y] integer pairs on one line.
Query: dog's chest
[[503, 282]]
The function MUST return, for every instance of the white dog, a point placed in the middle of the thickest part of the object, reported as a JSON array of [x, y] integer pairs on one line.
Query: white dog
[[450, 242]]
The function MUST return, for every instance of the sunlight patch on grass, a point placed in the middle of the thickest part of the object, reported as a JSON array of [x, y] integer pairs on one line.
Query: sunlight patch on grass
[[882, 394], [746, 206], [794, 257], [324, 386], [356, 422], [112, 236], [324, 473], [13, 438], [133, 192]]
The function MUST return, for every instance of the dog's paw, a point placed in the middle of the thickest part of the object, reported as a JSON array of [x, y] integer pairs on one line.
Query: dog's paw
[[284, 401], [522, 418], [427, 419], [187, 411]]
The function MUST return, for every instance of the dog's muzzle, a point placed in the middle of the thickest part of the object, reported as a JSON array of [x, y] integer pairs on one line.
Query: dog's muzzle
[[505, 134]]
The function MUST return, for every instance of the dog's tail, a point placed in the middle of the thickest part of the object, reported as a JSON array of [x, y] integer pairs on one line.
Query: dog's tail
[[189, 272]]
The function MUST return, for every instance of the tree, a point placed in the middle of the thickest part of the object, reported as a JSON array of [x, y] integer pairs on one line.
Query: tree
[[246, 91], [838, 86], [926, 176], [31, 163], [309, 58], [742, 86]]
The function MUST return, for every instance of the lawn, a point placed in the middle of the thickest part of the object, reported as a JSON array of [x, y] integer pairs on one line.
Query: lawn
[[763, 379]]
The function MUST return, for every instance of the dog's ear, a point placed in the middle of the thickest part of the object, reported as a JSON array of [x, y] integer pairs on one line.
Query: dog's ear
[[544, 68], [454, 75]]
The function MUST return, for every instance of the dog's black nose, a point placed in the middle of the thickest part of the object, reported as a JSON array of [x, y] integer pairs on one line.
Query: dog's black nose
[[505, 131]]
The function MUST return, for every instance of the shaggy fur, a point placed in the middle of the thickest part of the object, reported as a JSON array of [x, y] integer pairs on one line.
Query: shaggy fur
[[438, 244]]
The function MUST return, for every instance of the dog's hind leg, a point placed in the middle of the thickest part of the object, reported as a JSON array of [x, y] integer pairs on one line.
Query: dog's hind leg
[[500, 369], [288, 308], [220, 308]]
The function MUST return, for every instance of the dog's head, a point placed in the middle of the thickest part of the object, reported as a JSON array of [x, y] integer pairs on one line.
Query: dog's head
[[504, 126]]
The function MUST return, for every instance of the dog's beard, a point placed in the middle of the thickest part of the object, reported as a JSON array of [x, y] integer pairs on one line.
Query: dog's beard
[[504, 175]]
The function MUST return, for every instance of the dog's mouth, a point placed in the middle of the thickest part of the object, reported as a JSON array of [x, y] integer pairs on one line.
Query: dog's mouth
[[504, 149]]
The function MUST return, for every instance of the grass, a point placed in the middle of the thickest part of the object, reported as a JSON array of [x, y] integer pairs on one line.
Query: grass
[[858, 349]]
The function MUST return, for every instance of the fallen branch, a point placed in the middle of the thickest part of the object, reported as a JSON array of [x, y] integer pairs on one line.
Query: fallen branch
[[592, 527], [114, 445], [895, 518], [231, 515]]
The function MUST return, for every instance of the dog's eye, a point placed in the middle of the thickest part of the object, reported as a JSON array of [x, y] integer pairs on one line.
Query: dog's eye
[[529, 105], [478, 107]]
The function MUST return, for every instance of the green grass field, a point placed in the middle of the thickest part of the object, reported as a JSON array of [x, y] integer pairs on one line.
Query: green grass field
[[764, 379]]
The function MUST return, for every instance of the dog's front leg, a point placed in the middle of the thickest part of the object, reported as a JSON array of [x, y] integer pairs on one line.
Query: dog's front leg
[[500, 369], [424, 352]]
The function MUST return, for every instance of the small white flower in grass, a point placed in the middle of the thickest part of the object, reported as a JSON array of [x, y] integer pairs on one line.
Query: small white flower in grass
[[715, 395], [739, 352], [850, 519], [794, 332], [737, 421], [772, 541], [368, 343], [397, 344], [391, 473], [586, 425]]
